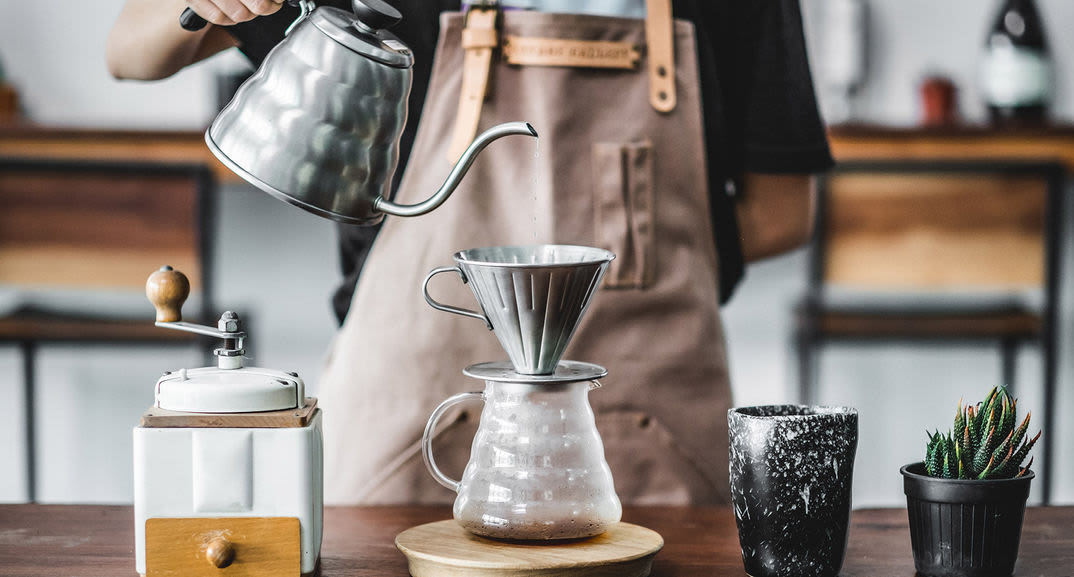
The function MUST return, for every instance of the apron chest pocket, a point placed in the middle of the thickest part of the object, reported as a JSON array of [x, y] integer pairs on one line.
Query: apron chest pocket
[[623, 211]]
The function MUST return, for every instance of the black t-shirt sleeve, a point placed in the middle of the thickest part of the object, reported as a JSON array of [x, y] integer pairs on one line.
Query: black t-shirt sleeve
[[782, 131], [780, 127], [760, 109]]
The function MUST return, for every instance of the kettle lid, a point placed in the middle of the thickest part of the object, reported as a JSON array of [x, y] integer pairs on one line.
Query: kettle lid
[[364, 31]]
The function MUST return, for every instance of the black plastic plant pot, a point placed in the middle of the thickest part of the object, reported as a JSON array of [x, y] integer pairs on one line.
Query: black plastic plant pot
[[962, 527]]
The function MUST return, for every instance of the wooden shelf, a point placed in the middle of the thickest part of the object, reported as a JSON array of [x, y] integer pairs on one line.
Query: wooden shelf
[[866, 142], [19, 140], [50, 328], [848, 142]]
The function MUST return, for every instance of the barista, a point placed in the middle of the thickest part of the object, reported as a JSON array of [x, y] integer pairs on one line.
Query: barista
[[664, 419]]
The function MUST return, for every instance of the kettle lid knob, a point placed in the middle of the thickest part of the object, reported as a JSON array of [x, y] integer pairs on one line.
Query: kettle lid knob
[[376, 14]]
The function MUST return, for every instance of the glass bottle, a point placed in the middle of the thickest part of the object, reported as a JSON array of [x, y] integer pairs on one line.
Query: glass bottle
[[1017, 74]]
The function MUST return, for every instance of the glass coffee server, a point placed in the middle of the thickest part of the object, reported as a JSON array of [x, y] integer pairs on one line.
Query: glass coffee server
[[537, 473]]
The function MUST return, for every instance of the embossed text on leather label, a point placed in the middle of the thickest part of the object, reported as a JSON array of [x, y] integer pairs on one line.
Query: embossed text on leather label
[[526, 51]]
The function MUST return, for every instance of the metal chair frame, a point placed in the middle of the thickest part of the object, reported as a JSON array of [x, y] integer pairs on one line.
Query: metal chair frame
[[111, 330], [810, 336]]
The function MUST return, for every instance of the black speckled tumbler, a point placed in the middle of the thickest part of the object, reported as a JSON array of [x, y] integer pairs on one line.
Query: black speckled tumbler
[[791, 473]]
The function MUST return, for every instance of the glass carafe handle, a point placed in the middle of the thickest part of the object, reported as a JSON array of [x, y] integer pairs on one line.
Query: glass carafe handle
[[427, 438]]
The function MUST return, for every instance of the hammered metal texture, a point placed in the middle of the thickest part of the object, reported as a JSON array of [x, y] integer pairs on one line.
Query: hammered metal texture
[[318, 126]]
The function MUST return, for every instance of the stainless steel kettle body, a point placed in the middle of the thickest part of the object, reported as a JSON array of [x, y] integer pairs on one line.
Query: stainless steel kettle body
[[318, 125]]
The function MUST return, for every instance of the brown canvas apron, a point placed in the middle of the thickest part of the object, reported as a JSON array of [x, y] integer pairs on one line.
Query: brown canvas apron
[[611, 172]]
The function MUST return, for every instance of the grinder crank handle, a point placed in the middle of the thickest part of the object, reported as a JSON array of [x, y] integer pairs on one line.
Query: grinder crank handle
[[168, 289]]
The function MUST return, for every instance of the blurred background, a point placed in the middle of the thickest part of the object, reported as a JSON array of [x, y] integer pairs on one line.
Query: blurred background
[[905, 86]]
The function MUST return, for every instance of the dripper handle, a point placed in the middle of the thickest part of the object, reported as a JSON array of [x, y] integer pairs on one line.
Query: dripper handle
[[449, 308], [430, 428]]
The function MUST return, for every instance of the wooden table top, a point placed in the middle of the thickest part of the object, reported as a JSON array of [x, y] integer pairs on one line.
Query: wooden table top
[[98, 541]]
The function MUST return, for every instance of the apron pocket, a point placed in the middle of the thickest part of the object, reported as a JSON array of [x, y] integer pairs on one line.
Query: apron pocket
[[649, 466], [623, 211]]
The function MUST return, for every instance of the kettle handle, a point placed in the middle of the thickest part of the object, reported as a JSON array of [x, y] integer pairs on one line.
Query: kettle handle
[[427, 437], [191, 20], [449, 308]]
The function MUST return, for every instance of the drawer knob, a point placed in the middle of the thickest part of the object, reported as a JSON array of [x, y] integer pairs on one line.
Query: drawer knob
[[220, 552]]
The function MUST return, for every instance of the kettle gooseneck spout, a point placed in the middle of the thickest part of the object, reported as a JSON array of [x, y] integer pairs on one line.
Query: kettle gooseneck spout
[[381, 204]]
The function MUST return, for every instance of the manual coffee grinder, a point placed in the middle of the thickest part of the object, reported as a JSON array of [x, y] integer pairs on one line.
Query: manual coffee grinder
[[536, 497], [228, 462]]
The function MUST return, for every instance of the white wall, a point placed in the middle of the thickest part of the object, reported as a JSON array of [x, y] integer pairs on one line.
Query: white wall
[[52, 51], [278, 263], [909, 39]]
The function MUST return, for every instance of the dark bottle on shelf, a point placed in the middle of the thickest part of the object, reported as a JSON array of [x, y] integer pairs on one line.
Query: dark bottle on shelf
[[1017, 71]]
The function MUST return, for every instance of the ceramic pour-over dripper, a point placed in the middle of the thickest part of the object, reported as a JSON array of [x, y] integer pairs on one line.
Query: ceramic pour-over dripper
[[533, 297]]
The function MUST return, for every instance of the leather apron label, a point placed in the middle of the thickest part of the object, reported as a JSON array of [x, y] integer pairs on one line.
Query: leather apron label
[[526, 51]]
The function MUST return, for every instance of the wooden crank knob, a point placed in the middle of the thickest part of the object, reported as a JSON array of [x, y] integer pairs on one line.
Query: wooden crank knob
[[167, 289], [220, 552]]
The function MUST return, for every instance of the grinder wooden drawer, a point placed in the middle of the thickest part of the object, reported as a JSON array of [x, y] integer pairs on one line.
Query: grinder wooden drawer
[[245, 546]]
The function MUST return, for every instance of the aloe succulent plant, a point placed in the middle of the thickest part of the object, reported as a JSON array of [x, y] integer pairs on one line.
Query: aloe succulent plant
[[984, 443]]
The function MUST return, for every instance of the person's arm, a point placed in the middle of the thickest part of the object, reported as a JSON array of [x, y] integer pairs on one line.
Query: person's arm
[[147, 43], [767, 199]]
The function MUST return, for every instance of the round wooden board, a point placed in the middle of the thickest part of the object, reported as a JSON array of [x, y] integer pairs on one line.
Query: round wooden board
[[445, 549]]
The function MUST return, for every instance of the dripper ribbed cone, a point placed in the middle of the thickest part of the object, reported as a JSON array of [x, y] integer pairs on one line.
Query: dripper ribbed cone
[[534, 296]]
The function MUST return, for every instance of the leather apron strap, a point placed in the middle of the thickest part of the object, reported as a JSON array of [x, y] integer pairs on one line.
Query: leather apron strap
[[660, 37], [480, 38]]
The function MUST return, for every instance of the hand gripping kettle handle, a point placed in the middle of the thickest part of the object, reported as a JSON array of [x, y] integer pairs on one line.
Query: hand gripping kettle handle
[[449, 308], [191, 21], [427, 438]]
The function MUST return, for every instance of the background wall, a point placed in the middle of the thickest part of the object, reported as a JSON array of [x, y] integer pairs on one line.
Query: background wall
[[910, 39], [53, 51], [278, 264]]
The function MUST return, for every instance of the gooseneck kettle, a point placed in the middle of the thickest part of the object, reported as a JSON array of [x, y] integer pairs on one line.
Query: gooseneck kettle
[[318, 124]]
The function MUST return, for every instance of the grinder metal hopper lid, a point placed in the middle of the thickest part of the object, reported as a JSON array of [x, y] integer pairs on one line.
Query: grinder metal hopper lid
[[228, 387], [215, 390]]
